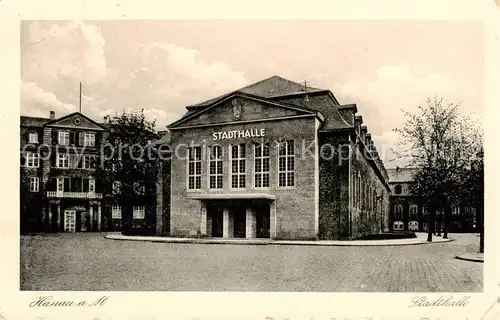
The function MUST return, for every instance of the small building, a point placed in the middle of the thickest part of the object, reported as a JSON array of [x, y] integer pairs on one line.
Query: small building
[[410, 212], [58, 187], [275, 159]]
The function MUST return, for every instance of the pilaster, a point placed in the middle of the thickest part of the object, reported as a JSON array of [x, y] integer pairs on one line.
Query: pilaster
[[203, 219], [273, 220], [225, 223]]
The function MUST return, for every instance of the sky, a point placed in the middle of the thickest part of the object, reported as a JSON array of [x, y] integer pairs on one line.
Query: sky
[[163, 65]]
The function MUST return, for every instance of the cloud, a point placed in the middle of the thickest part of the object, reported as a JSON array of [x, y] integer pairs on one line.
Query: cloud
[[380, 101], [35, 101], [179, 70], [396, 88], [161, 78], [388, 150], [71, 50], [166, 77]]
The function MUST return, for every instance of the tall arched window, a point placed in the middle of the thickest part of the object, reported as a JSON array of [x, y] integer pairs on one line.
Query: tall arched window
[[398, 212]]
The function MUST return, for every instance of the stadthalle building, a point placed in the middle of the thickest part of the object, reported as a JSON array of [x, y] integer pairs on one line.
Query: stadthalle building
[[276, 159]]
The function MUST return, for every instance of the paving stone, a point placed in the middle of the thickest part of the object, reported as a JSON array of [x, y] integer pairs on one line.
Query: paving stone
[[90, 262]]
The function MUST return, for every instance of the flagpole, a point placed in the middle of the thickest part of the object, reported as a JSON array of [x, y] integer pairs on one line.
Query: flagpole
[[80, 104]]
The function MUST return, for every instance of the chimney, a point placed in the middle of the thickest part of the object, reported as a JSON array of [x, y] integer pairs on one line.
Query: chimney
[[52, 115], [105, 119]]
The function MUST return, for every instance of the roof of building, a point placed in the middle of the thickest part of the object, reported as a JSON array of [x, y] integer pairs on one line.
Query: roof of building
[[164, 139], [401, 174], [333, 120], [276, 86], [271, 87], [33, 121], [320, 101], [26, 121], [202, 108]]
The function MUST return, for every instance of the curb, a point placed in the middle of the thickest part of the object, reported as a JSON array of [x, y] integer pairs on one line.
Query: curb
[[465, 257], [266, 242]]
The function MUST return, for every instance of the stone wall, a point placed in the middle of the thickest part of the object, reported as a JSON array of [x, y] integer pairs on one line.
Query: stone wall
[[333, 188], [295, 206]]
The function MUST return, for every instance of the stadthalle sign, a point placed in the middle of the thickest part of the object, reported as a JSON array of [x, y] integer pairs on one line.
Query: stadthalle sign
[[234, 134]]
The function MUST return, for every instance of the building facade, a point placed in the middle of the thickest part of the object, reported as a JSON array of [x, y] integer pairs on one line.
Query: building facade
[[272, 160], [410, 212], [58, 186]]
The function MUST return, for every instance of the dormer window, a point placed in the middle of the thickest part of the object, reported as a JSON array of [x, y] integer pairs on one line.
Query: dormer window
[[33, 137], [398, 189]]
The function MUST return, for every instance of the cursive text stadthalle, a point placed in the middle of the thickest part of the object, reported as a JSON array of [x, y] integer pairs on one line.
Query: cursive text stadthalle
[[451, 301]]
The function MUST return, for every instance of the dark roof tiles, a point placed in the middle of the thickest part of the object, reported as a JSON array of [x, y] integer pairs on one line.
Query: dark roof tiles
[[271, 87], [33, 121], [276, 86]]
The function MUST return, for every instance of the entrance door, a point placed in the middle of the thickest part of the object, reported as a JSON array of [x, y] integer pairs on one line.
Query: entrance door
[[94, 218], [262, 217], [83, 221], [69, 220], [53, 223], [239, 216], [215, 213]]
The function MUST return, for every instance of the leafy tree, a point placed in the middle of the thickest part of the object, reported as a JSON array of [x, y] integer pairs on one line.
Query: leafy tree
[[442, 143], [129, 167], [473, 191]]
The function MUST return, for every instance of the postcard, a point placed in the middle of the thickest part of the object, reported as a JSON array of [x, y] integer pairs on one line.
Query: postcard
[[279, 160]]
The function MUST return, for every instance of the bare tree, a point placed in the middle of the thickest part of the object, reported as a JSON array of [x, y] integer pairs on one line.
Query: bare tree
[[442, 144]]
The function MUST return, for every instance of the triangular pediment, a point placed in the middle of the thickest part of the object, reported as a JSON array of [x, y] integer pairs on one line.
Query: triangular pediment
[[240, 107], [77, 121]]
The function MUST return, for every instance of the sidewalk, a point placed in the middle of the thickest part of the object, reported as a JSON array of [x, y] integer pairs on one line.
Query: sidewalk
[[472, 256], [420, 239]]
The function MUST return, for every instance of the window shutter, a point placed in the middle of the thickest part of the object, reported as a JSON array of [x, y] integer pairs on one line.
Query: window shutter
[[79, 160], [53, 159], [98, 185], [98, 136], [54, 136], [72, 160], [72, 137], [66, 185], [52, 184], [93, 162], [81, 135]]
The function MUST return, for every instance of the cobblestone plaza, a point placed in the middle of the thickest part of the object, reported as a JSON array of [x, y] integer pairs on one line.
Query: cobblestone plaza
[[89, 262]]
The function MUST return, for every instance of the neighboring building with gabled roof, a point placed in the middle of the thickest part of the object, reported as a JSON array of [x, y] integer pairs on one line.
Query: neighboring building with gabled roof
[[58, 188]]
